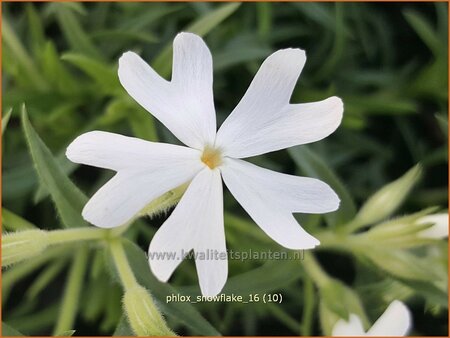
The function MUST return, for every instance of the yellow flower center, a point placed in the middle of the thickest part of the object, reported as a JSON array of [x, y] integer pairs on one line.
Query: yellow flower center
[[211, 157]]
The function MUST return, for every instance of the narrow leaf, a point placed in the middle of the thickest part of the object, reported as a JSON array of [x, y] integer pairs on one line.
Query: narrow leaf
[[9, 331], [13, 222], [123, 328], [100, 72], [73, 31], [68, 199], [36, 28], [5, 120], [68, 333], [424, 30], [21, 56]]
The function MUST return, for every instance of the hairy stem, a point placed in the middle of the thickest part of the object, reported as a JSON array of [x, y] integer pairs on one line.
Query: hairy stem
[[77, 234], [123, 267]]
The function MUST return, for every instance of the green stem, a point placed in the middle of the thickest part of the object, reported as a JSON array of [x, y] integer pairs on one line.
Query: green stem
[[45, 277], [142, 314], [69, 306], [75, 235], [16, 272], [340, 241], [308, 307], [315, 271], [282, 316], [123, 267]]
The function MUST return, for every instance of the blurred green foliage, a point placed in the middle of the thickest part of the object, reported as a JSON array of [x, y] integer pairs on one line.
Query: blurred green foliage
[[388, 62]]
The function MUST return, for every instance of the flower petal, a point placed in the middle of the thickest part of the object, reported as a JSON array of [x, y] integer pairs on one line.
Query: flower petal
[[264, 121], [196, 223], [184, 105], [353, 327], [146, 171], [117, 152], [395, 321], [438, 230], [270, 198]]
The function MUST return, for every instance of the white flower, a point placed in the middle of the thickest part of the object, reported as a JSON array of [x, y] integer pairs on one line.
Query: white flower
[[438, 230], [262, 122], [395, 321]]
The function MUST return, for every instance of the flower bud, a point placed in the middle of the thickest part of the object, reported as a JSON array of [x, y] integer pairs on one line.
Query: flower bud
[[143, 316], [386, 200], [18, 246], [163, 203], [439, 227], [414, 230]]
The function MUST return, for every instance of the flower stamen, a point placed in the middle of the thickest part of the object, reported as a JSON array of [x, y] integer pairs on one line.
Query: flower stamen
[[211, 157]]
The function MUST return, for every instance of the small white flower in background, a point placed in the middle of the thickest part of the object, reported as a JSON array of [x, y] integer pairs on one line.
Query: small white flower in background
[[395, 321], [438, 230], [263, 121]]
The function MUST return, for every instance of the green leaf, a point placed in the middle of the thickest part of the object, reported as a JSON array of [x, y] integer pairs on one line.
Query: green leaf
[[247, 52], [67, 166], [14, 222], [120, 36], [425, 31], [183, 312], [73, 31], [37, 321], [36, 28], [338, 50], [381, 103], [147, 18], [56, 71], [5, 120], [30, 71], [142, 123], [123, 328], [264, 10], [42, 281], [319, 13], [442, 120], [201, 27], [428, 290], [68, 333], [68, 199], [103, 74], [313, 166], [9, 331], [12, 275], [342, 300], [206, 23]]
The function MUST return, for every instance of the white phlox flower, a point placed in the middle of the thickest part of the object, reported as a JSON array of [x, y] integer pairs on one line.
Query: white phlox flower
[[395, 321], [262, 122]]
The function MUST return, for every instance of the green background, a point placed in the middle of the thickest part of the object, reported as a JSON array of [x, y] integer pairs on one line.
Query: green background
[[387, 61]]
